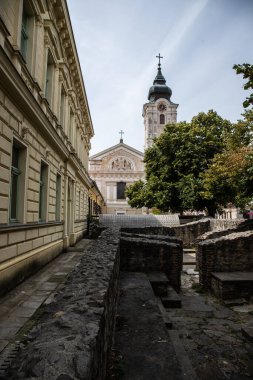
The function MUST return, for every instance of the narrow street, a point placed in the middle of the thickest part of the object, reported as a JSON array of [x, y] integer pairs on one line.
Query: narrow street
[[21, 307]]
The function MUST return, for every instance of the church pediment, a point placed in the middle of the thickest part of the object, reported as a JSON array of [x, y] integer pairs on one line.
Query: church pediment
[[119, 149]]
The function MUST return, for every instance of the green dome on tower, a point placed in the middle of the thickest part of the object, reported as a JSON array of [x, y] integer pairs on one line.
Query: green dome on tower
[[159, 88]]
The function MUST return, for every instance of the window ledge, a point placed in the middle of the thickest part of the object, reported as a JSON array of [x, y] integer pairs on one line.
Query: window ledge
[[19, 226]]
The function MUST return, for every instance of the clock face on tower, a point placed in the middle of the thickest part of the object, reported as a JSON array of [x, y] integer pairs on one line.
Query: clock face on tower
[[162, 107]]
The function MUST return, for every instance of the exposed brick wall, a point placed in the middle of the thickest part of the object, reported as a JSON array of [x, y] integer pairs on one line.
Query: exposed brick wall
[[231, 290], [144, 254], [235, 226], [230, 253], [189, 232]]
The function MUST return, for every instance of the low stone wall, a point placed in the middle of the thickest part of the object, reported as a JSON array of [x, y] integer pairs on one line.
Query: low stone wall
[[223, 224], [232, 285], [146, 254], [238, 225], [149, 230], [188, 233], [74, 334], [230, 253]]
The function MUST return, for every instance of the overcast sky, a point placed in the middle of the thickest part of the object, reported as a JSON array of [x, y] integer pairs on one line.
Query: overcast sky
[[200, 40]]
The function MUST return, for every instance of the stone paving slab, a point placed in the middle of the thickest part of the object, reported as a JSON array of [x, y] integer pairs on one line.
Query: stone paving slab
[[211, 335], [141, 338], [17, 307]]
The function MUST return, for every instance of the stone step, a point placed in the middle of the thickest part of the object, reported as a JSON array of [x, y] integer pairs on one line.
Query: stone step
[[189, 250], [172, 299], [159, 283], [231, 285], [189, 259]]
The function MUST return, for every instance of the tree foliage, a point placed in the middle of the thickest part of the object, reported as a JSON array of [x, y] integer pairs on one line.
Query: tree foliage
[[229, 175], [176, 160], [247, 70]]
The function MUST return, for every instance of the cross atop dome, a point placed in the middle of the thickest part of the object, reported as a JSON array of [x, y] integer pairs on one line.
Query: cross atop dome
[[159, 88], [159, 57]]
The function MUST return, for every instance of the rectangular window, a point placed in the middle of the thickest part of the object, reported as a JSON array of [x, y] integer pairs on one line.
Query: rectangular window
[[18, 180], [58, 198], [71, 126], [62, 107], [15, 172], [49, 77], [24, 33], [121, 186], [27, 32], [43, 191]]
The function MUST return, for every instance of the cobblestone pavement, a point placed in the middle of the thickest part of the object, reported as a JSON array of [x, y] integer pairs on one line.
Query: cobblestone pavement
[[20, 304], [211, 334]]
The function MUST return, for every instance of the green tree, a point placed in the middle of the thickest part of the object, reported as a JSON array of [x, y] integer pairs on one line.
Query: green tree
[[228, 178], [247, 70], [176, 160], [230, 173]]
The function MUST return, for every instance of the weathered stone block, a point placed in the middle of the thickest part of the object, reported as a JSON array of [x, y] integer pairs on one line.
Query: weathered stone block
[[145, 255], [16, 237]]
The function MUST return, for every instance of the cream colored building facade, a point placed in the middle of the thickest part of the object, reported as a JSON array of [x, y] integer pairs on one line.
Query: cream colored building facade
[[45, 132], [113, 169]]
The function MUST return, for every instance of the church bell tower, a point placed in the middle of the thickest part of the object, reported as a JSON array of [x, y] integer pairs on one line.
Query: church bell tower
[[160, 110]]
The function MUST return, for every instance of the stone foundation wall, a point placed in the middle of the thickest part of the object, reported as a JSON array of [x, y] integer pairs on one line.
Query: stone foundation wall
[[230, 253], [75, 332], [223, 224], [231, 290], [144, 254], [188, 233], [149, 230]]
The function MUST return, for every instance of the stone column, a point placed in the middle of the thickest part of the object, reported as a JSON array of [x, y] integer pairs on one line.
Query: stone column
[[115, 191]]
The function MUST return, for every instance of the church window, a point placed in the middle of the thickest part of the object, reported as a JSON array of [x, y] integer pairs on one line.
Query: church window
[[121, 186], [162, 119]]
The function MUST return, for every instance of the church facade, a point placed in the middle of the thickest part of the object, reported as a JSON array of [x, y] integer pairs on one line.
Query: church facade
[[121, 165], [113, 170], [160, 110]]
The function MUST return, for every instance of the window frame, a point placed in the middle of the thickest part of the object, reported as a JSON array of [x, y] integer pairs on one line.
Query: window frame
[[19, 171], [121, 191], [162, 119], [43, 191]]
